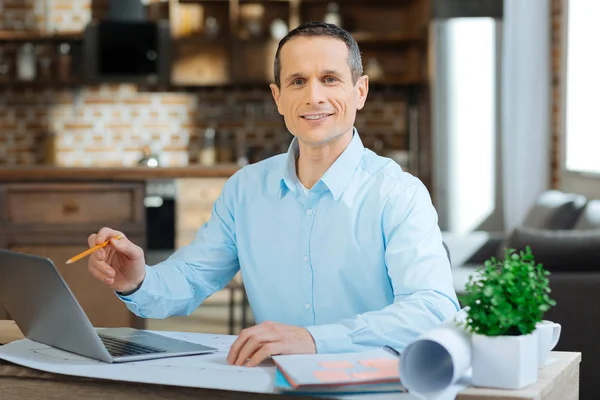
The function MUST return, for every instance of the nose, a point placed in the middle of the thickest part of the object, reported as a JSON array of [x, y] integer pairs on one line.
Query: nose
[[315, 93]]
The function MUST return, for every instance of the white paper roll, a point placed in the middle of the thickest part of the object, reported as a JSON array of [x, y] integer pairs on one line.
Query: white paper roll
[[437, 359]]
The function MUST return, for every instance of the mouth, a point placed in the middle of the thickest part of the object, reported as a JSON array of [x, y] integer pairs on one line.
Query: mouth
[[316, 117]]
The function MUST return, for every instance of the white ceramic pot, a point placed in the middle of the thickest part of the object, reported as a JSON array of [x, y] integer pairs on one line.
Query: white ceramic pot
[[507, 362]]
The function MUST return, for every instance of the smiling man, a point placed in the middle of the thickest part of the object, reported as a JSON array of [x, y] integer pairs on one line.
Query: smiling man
[[339, 249]]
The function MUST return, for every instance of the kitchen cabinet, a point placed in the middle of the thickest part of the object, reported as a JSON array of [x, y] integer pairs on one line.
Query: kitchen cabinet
[[230, 41], [55, 219]]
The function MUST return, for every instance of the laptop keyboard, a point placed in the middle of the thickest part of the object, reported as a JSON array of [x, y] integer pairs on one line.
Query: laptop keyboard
[[118, 347]]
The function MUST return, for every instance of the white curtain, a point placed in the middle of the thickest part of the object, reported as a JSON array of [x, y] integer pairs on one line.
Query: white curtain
[[526, 106]]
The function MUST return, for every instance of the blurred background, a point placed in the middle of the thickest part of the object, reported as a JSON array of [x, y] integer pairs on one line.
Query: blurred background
[[133, 114]]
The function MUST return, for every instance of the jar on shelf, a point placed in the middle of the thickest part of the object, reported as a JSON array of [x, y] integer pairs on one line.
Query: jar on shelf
[[26, 62], [45, 63], [5, 65], [50, 146], [333, 14], [225, 155], [374, 69], [63, 63], [278, 29], [208, 153], [251, 16], [211, 27]]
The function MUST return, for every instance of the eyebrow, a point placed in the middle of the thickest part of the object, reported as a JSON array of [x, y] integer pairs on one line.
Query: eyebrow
[[299, 75], [293, 76]]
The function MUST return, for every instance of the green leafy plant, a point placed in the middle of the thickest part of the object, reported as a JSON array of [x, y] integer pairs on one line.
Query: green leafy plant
[[507, 297]]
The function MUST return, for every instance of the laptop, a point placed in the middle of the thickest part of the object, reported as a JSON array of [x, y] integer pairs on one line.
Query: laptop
[[44, 308]]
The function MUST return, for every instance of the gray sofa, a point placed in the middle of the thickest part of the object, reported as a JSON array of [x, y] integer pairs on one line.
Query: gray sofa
[[563, 231]]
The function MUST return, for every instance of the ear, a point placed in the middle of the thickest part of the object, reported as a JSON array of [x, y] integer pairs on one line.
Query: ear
[[362, 89], [276, 96]]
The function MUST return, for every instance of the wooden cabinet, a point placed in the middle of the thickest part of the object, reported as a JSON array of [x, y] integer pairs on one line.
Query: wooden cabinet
[[229, 41], [54, 220], [395, 41], [75, 205]]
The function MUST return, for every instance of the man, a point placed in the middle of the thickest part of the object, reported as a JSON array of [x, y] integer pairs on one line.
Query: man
[[339, 249]]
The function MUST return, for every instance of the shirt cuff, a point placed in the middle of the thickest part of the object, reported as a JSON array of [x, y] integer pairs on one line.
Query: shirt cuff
[[331, 338], [137, 299]]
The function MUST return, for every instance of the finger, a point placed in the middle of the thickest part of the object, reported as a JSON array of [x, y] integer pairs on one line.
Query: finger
[[110, 255], [96, 273], [127, 248], [241, 340], [266, 351], [92, 240], [100, 255], [103, 268], [253, 344], [107, 233]]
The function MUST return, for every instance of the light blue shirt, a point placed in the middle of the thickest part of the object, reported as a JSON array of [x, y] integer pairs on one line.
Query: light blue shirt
[[358, 260]]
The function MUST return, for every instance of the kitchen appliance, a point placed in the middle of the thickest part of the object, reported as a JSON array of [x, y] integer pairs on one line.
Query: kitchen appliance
[[160, 206], [126, 47]]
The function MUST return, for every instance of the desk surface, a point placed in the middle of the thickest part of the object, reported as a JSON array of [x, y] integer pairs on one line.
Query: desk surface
[[559, 380]]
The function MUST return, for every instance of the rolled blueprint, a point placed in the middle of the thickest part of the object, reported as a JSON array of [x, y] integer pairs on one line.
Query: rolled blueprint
[[437, 359]]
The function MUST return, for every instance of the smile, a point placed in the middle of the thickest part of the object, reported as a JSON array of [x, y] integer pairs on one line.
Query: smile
[[315, 117]]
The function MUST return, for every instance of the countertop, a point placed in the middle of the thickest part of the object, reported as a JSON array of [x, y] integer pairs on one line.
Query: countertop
[[46, 173]]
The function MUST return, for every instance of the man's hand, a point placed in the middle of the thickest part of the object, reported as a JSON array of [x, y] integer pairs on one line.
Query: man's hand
[[269, 338], [120, 265]]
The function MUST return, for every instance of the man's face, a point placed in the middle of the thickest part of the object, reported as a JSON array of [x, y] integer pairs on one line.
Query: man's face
[[317, 98]]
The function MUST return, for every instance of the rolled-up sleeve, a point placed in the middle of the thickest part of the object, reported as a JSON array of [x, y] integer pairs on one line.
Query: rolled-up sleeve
[[178, 285]]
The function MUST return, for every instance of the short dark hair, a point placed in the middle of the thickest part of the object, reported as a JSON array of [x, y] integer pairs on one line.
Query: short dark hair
[[312, 29]]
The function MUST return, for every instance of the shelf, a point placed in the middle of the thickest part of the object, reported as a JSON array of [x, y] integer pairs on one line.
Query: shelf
[[41, 82], [39, 36], [240, 1], [391, 37], [370, 3], [395, 81], [392, 81], [382, 2], [198, 39], [203, 1], [223, 40], [43, 173], [360, 37]]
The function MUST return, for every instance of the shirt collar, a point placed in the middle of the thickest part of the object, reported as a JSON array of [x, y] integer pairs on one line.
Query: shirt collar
[[337, 176]]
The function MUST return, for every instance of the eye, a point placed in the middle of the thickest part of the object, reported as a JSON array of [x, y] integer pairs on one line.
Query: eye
[[298, 81], [330, 79]]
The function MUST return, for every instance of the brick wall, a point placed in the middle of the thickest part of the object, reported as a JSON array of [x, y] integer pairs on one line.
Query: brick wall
[[108, 125], [49, 15], [556, 91]]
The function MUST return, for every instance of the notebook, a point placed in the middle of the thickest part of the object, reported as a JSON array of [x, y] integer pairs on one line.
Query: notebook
[[363, 372]]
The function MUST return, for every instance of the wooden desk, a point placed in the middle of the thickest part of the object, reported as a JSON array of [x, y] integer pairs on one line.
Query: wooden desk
[[558, 381]]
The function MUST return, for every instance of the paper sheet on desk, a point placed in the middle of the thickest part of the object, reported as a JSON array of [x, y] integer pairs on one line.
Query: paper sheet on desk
[[206, 371]]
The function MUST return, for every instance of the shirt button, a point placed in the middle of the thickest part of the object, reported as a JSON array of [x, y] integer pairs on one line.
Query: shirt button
[[309, 212], [307, 306], [305, 258]]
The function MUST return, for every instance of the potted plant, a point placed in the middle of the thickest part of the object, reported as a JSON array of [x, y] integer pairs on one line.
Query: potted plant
[[504, 302]]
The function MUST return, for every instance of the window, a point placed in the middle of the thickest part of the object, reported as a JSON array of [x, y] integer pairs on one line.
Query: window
[[465, 122], [582, 86]]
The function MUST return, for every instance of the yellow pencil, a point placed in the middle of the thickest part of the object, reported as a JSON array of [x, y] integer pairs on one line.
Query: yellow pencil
[[91, 250]]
